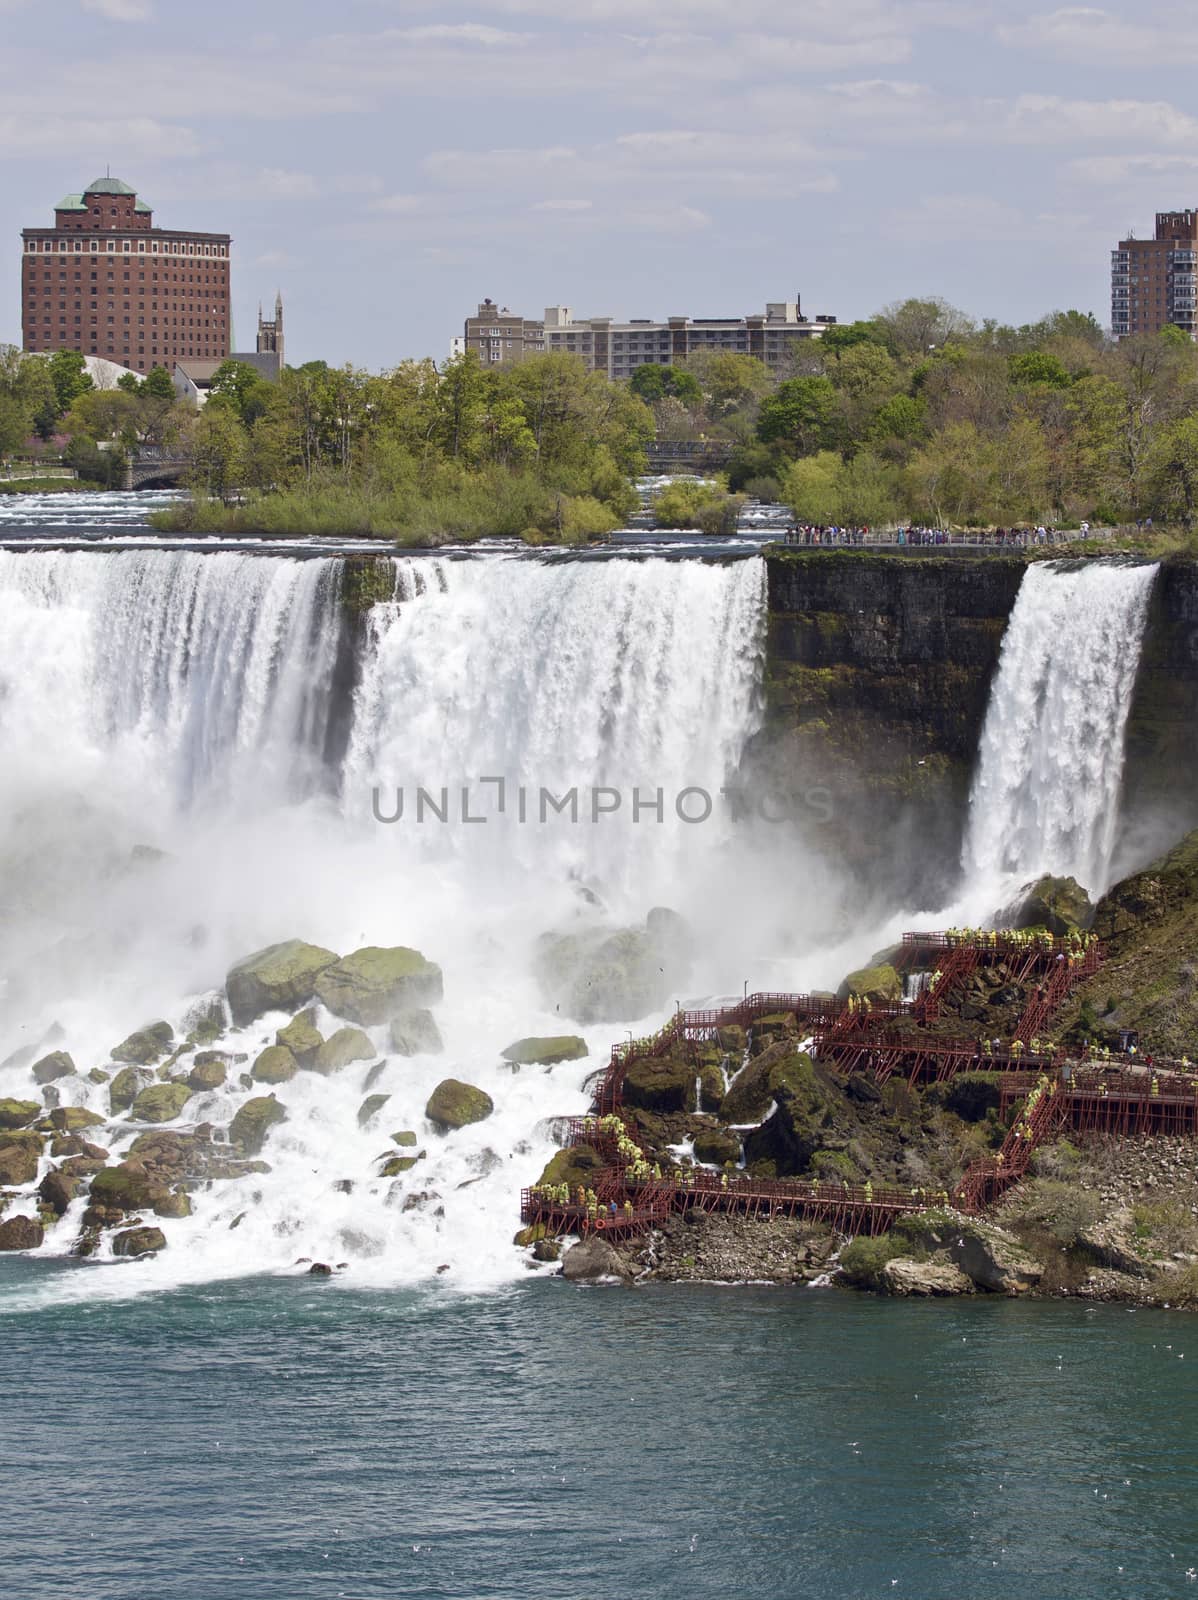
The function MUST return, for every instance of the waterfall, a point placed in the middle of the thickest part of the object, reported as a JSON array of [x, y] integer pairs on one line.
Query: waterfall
[[174, 793], [1045, 796]]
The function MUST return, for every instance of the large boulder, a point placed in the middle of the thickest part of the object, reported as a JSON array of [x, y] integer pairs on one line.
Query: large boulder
[[415, 1033], [18, 1113], [74, 1119], [52, 1067], [207, 1075], [546, 1052], [254, 1120], [1059, 904], [343, 1047], [879, 985], [375, 984], [604, 974], [594, 1261], [126, 1187], [57, 1190], [576, 1164], [276, 1064], [903, 1276], [370, 1108], [454, 1105], [280, 978], [20, 1154], [991, 1258], [161, 1102], [145, 1046], [139, 1242], [717, 1147], [21, 1233], [302, 1037], [126, 1086], [661, 1083]]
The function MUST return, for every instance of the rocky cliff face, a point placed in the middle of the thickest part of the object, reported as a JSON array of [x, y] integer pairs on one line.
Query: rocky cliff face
[[877, 681]]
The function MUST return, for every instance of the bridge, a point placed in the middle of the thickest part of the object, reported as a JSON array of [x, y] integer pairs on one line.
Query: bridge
[[688, 455], [155, 467]]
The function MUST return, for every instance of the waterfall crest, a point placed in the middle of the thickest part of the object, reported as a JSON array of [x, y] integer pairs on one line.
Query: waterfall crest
[[1045, 795]]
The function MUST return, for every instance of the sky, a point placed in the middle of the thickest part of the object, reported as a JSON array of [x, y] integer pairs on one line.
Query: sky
[[387, 164]]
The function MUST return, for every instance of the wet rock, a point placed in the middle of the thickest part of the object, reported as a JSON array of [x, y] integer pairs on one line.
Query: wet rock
[[74, 1119], [454, 1105], [902, 1276], [98, 1076], [254, 1120], [371, 1107], [302, 1037], [375, 984], [161, 1102], [125, 1187], [53, 1067], [603, 974], [18, 1113], [594, 1261], [1059, 904], [396, 1166], [342, 1048], [661, 1084], [20, 1154], [717, 1147], [415, 1033], [126, 1086], [406, 1140], [57, 1190], [207, 1075], [546, 1052], [145, 1046], [281, 977], [577, 1164], [547, 1250], [879, 985], [138, 1242], [51, 1097], [175, 1204], [320, 1269], [276, 1064], [206, 1020], [21, 1233]]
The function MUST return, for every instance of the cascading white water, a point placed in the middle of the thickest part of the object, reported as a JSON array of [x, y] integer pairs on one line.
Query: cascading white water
[[1045, 795], [182, 701]]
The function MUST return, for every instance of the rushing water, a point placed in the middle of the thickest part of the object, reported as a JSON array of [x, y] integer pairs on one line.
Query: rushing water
[[285, 1440], [1050, 767]]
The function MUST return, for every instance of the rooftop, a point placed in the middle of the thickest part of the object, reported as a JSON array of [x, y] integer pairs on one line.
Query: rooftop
[[108, 186]]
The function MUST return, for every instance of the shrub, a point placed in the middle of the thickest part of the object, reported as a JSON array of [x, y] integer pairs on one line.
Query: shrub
[[862, 1260]]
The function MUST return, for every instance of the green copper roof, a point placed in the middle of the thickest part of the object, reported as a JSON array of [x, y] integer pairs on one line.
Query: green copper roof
[[108, 186], [142, 206], [71, 202]]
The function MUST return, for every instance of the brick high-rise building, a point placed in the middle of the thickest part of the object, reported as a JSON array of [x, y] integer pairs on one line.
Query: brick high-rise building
[[1154, 282], [105, 281]]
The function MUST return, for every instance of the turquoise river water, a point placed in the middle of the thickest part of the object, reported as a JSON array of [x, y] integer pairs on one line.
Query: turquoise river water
[[276, 1439]]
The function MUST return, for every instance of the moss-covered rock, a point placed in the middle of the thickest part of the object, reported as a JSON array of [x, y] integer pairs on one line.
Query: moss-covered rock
[[396, 1166], [49, 1069], [752, 1091], [145, 1046], [342, 1048], [371, 1107], [717, 1147], [405, 1139], [275, 1064], [125, 1187], [415, 1033], [280, 978], [302, 1037], [74, 1119], [18, 1113], [20, 1153], [161, 1102], [453, 1105], [1059, 904], [21, 1233], [56, 1191], [126, 1086], [139, 1242], [546, 1052], [254, 1120], [662, 1083], [879, 985], [207, 1075], [376, 983], [176, 1203], [577, 1164], [712, 1087], [605, 975]]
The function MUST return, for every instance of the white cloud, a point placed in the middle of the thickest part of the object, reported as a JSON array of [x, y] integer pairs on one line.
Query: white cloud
[[465, 33], [288, 185], [562, 205], [121, 10], [28, 134], [1039, 119], [1087, 35], [400, 204]]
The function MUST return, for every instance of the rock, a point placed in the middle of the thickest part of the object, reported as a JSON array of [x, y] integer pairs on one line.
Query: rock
[[280, 978], [454, 1105], [126, 1086], [21, 1233], [405, 1140], [320, 1269], [415, 1033], [546, 1052], [879, 985], [342, 1048], [547, 1250], [605, 975], [138, 1242], [52, 1067], [1059, 904], [395, 1166], [175, 1204], [206, 1020], [375, 984], [161, 1102], [146, 1045], [255, 1119], [19, 1158], [51, 1097], [57, 1190], [207, 1075], [125, 1187], [276, 1064], [717, 1147], [987, 1255], [903, 1276], [17, 1113], [577, 1164], [1109, 1245], [663, 1083], [74, 1119], [752, 1092], [371, 1107], [302, 1037], [98, 1076], [594, 1261]]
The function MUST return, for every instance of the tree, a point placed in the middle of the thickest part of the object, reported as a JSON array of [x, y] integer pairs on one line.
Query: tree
[[912, 327], [217, 450], [159, 384], [799, 414], [1039, 367], [69, 375], [814, 488], [1171, 472], [129, 382], [242, 387]]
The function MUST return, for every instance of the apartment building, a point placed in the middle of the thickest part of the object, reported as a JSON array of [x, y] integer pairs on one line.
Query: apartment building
[[1154, 282]]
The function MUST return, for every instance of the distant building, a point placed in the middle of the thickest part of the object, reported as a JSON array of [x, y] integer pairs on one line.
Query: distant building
[[193, 378], [270, 336], [1154, 282], [105, 281], [617, 349]]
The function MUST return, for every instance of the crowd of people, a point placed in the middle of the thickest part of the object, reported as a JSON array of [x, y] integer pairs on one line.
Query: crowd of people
[[1004, 538]]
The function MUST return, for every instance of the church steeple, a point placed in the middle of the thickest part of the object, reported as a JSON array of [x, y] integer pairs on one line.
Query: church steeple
[[270, 334]]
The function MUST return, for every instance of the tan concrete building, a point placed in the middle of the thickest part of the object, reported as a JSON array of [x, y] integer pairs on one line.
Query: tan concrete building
[[619, 348], [1154, 282]]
